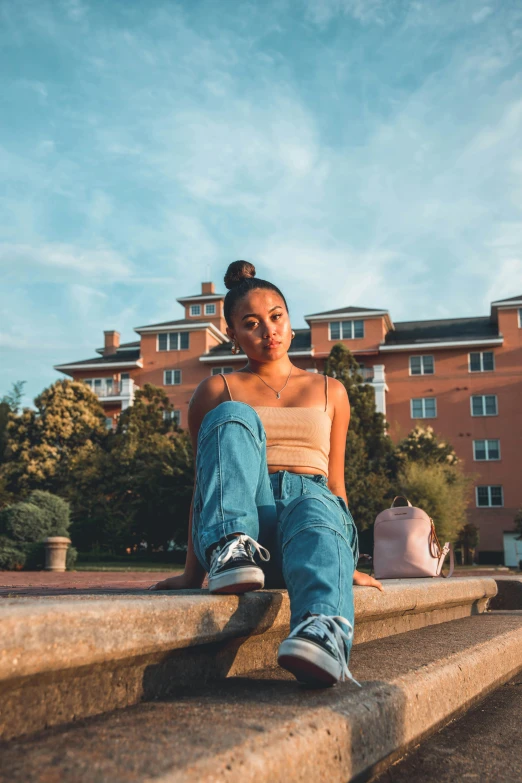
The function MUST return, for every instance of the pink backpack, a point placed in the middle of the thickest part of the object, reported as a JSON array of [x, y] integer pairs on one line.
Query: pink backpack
[[406, 544]]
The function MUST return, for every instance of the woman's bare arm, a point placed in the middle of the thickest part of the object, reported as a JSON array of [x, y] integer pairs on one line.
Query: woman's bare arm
[[336, 483]]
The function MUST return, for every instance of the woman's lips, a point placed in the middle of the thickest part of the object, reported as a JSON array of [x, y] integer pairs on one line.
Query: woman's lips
[[272, 345]]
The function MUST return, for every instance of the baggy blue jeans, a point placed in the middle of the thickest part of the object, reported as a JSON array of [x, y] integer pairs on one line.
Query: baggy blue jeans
[[308, 530]]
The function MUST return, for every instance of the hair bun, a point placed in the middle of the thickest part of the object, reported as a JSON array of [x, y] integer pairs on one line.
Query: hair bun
[[237, 272]]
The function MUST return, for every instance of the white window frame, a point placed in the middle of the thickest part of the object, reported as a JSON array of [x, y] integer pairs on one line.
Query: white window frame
[[174, 383], [481, 354], [210, 309], [423, 371], [226, 370], [172, 344], [520, 317], [423, 399], [489, 487], [109, 423], [195, 310], [352, 323], [487, 458], [103, 383], [167, 415], [483, 397]]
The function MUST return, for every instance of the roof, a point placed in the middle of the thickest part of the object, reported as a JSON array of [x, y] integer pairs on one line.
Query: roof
[[177, 322], [506, 301], [348, 310], [445, 330], [123, 347], [301, 342]]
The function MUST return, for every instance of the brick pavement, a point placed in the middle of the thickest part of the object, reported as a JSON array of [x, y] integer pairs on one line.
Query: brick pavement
[[44, 583], [40, 583]]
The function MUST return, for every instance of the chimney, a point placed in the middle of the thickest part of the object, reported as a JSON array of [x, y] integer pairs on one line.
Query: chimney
[[112, 342], [208, 288]]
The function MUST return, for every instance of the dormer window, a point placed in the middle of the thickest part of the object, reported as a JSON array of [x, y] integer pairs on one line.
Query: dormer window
[[210, 309], [195, 310], [346, 330]]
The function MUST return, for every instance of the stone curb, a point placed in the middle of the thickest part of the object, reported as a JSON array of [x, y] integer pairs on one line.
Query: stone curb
[[363, 734], [39, 636]]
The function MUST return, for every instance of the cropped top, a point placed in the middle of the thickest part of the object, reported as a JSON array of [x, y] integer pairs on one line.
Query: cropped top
[[296, 437]]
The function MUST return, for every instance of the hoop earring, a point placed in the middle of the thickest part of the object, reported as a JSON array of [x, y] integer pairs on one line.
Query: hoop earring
[[293, 334], [235, 347]]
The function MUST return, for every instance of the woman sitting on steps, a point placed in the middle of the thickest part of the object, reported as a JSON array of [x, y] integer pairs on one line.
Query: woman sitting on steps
[[270, 443]]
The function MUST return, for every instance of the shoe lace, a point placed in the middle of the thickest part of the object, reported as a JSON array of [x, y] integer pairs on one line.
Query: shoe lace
[[240, 546], [329, 626]]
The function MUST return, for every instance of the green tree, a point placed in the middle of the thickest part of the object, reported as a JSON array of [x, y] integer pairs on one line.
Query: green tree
[[442, 492], [369, 462], [137, 486], [41, 443], [423, 445], [467, 540]]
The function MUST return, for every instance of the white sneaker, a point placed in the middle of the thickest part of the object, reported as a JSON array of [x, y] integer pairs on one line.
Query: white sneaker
[[233, 568], [316, 652]]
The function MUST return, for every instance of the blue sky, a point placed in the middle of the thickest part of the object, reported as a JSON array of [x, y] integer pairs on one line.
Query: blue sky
[[359, 152]]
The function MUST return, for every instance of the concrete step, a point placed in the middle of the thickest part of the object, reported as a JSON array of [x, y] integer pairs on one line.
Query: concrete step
[[67, 658], [265, 728]]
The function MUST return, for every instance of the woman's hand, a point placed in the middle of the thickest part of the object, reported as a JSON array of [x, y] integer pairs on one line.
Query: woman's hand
[[366, 581], [179, 582]]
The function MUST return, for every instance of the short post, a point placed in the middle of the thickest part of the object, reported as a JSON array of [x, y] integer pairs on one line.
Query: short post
[[56, 552]]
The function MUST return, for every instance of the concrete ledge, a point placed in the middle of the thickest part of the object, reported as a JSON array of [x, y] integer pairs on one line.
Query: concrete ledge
[[267, 729], [63, 659]]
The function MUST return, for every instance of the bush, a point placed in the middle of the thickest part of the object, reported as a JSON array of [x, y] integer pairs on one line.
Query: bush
[[12, 557], [442, 492], [55, 510], [23, 522], [72, 557]]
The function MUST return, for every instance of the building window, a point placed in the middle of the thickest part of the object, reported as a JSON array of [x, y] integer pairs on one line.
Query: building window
[[195, 309], [108, 423], [481, 361], [174, 416], [422, 365], [173, 341], [346, 330], [210, 309], [520, 317], [484, 405], [312, 369], [124, 376], [489, 496], [424, 408], [221, 370], [101, 386], [172, 377], [484, 450]]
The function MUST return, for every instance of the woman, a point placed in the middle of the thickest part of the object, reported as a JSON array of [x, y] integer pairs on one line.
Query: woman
[[269, 442]]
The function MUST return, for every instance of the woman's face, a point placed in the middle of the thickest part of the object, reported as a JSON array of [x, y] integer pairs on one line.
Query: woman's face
[[262, 325]]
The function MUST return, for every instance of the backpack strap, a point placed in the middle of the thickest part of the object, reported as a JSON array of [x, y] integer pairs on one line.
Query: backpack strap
[[445, 549], [401, 497]]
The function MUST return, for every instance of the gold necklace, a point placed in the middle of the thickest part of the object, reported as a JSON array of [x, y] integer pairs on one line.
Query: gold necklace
[[277, 393]]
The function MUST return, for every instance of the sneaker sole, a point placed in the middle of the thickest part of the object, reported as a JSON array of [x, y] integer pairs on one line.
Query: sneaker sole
[[238, 581], [308, 663]]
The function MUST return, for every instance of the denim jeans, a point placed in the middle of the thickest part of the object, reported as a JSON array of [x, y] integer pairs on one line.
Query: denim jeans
[[308, 530]]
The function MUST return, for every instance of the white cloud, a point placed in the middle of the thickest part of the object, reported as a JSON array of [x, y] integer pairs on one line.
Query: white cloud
[[321, 12], [18, 260], [482, 14]]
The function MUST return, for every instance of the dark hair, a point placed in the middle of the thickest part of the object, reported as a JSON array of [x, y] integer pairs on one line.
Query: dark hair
[[240, 279]]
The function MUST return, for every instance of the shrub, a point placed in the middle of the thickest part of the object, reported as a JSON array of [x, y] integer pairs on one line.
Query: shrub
[[442, 492], [55, 510], [12, 557], [23, 522]]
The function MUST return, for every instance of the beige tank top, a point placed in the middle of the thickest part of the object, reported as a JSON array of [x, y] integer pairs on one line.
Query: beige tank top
[[296, 437]]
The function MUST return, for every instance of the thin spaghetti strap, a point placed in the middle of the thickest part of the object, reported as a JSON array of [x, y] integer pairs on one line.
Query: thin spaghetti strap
[[228, 387], [326, 391]]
